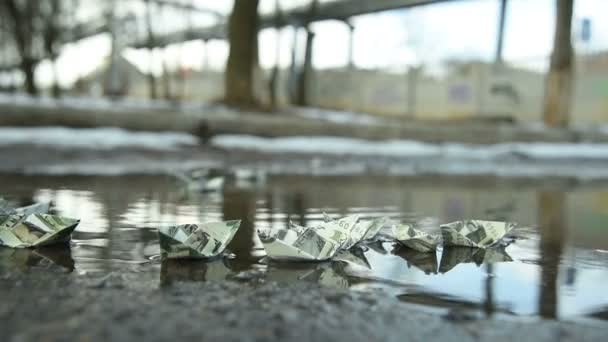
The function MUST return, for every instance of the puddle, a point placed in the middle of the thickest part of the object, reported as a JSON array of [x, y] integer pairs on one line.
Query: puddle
[[556, 267]]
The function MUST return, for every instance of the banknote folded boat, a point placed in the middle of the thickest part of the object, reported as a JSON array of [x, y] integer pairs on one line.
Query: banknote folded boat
[[475, 233], [319, 242], [23, 231], [205, 240], [416, 239]]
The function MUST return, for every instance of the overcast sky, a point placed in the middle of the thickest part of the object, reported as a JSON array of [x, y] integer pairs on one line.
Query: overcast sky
[[426, 35]]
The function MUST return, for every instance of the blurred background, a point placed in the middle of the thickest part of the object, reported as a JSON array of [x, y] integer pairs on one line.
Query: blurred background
[[415, 59]]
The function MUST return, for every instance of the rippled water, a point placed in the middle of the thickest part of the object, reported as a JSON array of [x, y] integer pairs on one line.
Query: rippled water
[[559, 266]]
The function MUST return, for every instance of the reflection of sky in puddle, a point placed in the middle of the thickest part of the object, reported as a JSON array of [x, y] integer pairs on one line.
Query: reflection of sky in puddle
[[120, 217]]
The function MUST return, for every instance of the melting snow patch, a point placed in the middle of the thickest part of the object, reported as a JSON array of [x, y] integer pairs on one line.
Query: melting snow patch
[[94, 138], [325, 145], [407, 148]]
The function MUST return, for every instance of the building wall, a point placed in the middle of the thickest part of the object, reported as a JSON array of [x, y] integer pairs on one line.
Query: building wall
[[469, 91]]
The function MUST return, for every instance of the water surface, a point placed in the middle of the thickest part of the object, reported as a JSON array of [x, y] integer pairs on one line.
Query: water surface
[[558, 264]]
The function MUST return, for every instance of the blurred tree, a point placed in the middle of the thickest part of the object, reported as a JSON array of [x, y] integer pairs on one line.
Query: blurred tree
[[558, 91], [51, 15], [21, 18], [243, 56], [274, 75], [306, 71], [151, 77], [36, 28]]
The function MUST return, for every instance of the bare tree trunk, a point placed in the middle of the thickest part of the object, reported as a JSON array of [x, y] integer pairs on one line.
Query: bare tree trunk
[[28, 66], [552, 228], [51, 35], [274, 75], [166, 78], [23, 30], [306, 71], [558, 92], [151, 77], [302, 95], [242, 60], [293, 68]]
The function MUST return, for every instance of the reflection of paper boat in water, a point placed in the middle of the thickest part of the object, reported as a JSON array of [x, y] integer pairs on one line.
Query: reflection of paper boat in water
[[44, 257], [377, 246], [201, 180], [22, 231], [452, 256], [474, 233], [325, 274], [185, 270], [353, 256], [426, 262], [206, 240]]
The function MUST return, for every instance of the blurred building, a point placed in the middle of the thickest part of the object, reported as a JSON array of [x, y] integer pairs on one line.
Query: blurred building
[[471, 90]]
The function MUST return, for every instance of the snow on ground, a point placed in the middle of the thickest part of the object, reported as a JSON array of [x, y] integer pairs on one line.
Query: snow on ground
[[407, 148], [94, 138], [299, 155]]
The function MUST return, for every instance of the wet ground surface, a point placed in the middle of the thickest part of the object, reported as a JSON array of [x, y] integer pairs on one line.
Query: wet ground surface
[[558, 257]]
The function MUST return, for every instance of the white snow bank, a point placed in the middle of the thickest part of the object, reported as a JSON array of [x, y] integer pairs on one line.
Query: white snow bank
[[407, 148], [339, 116], [94, 138]]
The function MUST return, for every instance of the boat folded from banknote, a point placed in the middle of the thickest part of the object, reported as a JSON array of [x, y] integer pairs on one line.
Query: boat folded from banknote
[[205, 240], [23, 231], [416, 239], [466, 233], [475, 233], [320, 242]]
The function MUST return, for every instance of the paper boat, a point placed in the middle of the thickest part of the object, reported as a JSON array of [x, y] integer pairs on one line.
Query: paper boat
[[416, 239], [23, 231], [474, 233], [297, 243], [206, 240]]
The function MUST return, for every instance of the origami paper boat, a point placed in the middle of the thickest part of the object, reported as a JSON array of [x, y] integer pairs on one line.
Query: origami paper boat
[[23, 231], [206, 240], [474, 233]]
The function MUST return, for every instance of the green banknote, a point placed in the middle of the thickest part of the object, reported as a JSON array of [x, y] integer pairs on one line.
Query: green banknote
[[474, 233], [22, 231], [204, 240], [319, 242], [416, 239]]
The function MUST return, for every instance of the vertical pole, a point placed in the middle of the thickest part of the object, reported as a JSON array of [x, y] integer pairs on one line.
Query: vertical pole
[[293, 70], [205, 55], [412, 80], [501, 31], [351, 45]]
